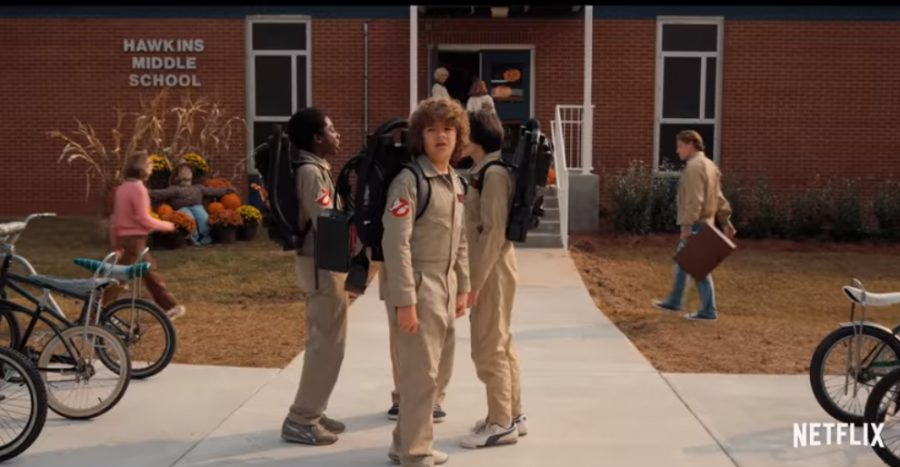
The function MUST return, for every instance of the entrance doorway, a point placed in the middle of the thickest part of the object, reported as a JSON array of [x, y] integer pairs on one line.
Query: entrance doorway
[[507, 71]]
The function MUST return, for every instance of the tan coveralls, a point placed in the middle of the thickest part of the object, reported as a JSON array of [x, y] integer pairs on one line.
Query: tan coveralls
[[392, 343], [494, 275], [326, 301], [426, 265]]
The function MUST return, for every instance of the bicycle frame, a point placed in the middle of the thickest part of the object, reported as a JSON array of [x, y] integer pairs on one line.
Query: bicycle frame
[[857, 334], [12, 280]]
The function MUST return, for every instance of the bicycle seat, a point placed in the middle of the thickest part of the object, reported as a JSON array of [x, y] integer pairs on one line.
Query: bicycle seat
[[872, 299], [119, 272], [77, 287], [11, 228]]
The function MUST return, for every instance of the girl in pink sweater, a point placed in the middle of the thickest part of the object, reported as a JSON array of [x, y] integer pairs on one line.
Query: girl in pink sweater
[[131, 227]]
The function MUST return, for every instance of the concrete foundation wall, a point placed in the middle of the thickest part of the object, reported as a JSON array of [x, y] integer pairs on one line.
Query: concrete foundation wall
[[584, 202]]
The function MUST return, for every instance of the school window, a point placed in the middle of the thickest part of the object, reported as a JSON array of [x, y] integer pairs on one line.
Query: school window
[[688, 86], [278, 72]]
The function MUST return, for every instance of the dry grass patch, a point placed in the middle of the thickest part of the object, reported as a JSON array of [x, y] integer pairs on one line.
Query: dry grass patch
[[776, 300], [244, 305]]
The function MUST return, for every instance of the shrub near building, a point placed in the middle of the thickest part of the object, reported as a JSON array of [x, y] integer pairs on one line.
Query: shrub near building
[[641, 203]]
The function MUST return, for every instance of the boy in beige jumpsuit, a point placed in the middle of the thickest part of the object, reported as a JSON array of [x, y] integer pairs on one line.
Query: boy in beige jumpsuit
[[494, 277], [326, 302], [426, 267]]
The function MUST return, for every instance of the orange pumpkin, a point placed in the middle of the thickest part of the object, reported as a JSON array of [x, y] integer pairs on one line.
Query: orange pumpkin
[[231, 201], [164, 211], [551, 177], [214, 208]]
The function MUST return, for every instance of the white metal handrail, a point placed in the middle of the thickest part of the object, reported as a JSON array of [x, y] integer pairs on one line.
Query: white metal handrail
[[562, 177], [571, 121]]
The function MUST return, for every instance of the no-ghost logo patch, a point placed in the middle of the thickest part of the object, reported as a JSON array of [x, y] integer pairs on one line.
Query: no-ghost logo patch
[[322, 198], [400, 207]]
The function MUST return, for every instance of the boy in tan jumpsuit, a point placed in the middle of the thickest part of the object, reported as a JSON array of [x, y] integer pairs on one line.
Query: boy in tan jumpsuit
[[326, 302], [427, 272], [494, 277], [700, 201]]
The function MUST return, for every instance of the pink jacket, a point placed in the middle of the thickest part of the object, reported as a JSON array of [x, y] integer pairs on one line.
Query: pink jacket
[[131, 212]]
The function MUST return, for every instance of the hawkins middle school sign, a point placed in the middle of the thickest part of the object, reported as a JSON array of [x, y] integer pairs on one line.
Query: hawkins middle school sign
[[177, 69]]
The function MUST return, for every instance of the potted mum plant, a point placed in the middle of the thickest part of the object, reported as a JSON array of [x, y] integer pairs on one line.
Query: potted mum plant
[[185, 225], [225, 224], [252, 218]]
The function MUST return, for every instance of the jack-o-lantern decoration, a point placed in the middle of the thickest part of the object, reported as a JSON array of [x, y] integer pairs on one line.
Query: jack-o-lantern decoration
[[511, 76], [502, 92], [551, 176]]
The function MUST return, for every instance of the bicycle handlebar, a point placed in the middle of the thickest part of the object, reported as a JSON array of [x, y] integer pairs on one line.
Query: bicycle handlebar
[[10, 239]]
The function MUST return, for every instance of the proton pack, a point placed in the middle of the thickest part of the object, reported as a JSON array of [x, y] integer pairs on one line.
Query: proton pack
[[528, 168], [277, 163], [375, 166]]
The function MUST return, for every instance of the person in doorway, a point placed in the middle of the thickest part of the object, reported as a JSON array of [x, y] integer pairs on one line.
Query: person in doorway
[[700, 201], [427, 271], [479, 97], [131, 226], [494, 274], [314, 135], [439, 90]]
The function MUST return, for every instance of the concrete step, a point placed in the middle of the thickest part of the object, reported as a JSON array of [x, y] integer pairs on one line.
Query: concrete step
[[551, 202], [551, 214], [541, 240], [547, 226]]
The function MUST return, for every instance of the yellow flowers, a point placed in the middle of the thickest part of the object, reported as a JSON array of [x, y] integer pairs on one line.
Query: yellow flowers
[[250, 214], [200, 165], [160, 164]]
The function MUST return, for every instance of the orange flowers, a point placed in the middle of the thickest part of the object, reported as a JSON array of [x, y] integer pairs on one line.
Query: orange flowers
[[217, 183], [181, 220], [226, 218], [164, 211]]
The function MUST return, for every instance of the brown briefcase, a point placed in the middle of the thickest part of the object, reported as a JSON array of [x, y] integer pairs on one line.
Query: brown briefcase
[[704, 251]]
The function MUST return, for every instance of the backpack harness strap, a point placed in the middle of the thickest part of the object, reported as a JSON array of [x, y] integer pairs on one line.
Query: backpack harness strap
[[478, 177], [423, 185]]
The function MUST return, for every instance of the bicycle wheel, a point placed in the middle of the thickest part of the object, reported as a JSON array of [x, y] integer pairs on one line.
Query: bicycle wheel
[[148, 334], [882, 406], [23, 401], [74, 375], [840, 343], [10, 328]]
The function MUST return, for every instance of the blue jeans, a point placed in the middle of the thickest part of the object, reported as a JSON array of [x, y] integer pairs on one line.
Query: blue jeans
[[199, 214], [704, 287]]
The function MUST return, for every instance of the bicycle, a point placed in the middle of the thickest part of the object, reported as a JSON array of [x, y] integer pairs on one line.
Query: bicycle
[[863, 371], [129, 329], [18, 373], [79, 364]]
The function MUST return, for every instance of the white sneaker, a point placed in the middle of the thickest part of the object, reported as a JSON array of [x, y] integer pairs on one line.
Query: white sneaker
[[487, 435], [176, 312], [440, 457], [521, 425]]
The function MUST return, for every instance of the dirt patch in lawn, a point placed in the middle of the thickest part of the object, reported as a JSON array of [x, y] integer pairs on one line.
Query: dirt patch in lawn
[[244, 306], [777, 300]]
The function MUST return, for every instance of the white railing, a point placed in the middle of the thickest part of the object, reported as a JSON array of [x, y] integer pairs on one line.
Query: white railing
[[571, 121], [561, 168]]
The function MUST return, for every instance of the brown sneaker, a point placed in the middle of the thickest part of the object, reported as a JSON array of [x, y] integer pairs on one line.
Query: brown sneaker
[[332, 425], [313, 435]]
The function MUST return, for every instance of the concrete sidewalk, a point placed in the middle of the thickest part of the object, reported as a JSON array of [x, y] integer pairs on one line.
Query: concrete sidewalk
[[591, 399]]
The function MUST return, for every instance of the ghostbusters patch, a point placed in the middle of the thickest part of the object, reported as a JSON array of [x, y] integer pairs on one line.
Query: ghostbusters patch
[[461, 198], [400, 207], [322, 198]]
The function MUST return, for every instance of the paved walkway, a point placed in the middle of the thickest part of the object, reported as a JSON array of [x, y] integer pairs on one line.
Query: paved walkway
[[591, 398]]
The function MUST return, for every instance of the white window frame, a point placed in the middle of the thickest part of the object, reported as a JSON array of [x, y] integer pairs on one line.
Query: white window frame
[[660, 73], [251, 73]]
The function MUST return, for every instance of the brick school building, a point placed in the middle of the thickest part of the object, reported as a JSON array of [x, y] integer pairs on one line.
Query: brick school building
[[788, 91]]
